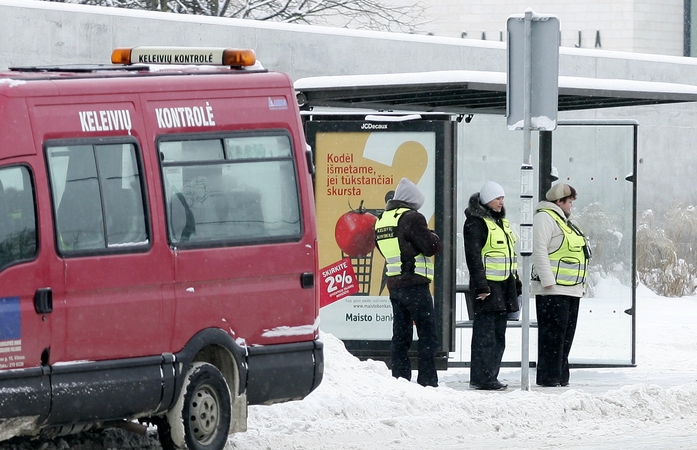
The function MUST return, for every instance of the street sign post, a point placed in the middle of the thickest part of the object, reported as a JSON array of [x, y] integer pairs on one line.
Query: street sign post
[[532, 92], [536, 52]]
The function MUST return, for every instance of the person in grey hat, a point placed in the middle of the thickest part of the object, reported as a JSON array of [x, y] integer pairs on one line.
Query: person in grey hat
[[407, 244], [559, 262], [494, 284]]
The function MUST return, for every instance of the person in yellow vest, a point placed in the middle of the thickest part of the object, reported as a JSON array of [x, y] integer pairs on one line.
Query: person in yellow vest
[[559, 262], [405, 241], [494, 285]]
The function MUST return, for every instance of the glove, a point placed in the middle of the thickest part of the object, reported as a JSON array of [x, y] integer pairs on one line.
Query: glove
[[518, 287]]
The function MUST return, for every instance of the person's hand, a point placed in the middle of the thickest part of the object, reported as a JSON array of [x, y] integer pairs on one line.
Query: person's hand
[[518, 287], [482, 292]]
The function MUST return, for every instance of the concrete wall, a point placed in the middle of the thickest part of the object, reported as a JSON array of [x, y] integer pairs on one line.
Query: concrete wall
[[39, 33], [43, 32], [643, 26], [658, 26]]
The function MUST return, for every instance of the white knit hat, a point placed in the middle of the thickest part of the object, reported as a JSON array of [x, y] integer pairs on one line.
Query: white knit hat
[[490, 191]]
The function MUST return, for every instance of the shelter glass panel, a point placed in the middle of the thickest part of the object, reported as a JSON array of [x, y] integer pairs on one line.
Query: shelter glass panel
[[598, 160]]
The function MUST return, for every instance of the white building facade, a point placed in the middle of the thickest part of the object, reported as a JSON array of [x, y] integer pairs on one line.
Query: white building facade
[[640, 26]]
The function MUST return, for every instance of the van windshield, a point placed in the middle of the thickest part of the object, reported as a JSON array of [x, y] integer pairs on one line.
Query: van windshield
[[237, 188]]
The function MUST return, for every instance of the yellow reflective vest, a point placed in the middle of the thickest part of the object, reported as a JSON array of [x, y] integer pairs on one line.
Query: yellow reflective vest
[[569, 262], [498, 255], [388, 244]]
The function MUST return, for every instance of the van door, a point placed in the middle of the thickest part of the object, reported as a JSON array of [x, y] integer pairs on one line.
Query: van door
[[234, 221], [25, 298], [113, 273]]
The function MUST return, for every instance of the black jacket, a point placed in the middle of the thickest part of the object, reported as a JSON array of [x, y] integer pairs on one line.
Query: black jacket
[[414, 238], [502, 294]]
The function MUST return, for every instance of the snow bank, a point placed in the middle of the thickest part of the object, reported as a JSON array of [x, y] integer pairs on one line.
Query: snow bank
[[360, 406]]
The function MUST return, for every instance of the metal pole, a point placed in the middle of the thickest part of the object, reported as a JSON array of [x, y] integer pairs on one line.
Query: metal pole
[[544, 162], [526, 203]]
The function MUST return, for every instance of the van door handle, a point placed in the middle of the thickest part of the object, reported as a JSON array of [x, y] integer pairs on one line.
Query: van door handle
[[43, 300], [307, 280]]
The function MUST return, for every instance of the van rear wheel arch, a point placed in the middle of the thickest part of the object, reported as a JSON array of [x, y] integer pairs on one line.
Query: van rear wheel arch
[[215, 347]]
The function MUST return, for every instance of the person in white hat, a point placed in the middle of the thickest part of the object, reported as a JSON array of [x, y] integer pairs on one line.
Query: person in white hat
[[494, 284], [559, 262]]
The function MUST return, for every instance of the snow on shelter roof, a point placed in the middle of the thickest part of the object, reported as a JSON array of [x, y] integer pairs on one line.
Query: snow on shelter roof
[[464, 91]]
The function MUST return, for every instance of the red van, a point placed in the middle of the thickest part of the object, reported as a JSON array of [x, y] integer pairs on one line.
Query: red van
[[158, 249]]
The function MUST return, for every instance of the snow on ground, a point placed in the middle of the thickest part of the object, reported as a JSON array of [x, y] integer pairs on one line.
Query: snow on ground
[[360, 406]]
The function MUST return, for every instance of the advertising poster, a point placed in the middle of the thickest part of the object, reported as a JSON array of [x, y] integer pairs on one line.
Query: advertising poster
[[356, 172]]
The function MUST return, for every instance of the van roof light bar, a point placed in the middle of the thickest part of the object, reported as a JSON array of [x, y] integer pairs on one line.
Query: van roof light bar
[[215, 56]]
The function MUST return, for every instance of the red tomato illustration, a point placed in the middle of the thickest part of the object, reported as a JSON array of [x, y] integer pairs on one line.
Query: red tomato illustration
[[355, 232]]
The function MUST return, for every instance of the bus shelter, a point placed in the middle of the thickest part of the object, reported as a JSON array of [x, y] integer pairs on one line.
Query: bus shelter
[[446, 132]]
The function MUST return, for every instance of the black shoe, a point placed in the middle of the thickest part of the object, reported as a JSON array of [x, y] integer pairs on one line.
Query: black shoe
[[495, 386], [564, 383], [549, 384]]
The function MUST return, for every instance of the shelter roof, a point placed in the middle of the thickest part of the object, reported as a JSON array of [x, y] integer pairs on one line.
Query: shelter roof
[[465, 92]]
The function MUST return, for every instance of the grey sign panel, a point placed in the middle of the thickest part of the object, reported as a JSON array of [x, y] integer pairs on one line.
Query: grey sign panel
[[544, 72]]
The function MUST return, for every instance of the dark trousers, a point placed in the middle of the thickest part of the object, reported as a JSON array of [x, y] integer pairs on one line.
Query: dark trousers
[[488, 345], [414, 305], [557, 316]]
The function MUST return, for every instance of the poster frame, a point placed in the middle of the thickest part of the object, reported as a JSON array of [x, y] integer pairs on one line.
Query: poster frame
[[445, 128]]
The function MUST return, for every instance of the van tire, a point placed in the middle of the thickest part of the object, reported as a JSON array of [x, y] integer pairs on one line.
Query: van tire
[[200, 420]]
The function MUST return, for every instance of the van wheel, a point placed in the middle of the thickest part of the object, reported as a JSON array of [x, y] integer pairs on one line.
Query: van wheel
[[200, 420]]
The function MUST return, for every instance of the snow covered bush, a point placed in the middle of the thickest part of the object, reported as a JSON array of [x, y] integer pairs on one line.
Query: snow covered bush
[[665, 258]]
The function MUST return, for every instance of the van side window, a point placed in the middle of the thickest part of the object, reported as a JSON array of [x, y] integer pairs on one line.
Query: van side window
[[18, 233], [231, 189], [97, 197]]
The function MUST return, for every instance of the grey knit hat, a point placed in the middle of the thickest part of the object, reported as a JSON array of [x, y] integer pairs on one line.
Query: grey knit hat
[[408, 192]]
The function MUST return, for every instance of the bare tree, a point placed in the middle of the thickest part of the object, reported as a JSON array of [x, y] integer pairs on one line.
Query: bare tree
[[357, 14]]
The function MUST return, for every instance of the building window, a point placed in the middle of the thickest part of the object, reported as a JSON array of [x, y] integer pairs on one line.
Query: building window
[[690, 31]]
